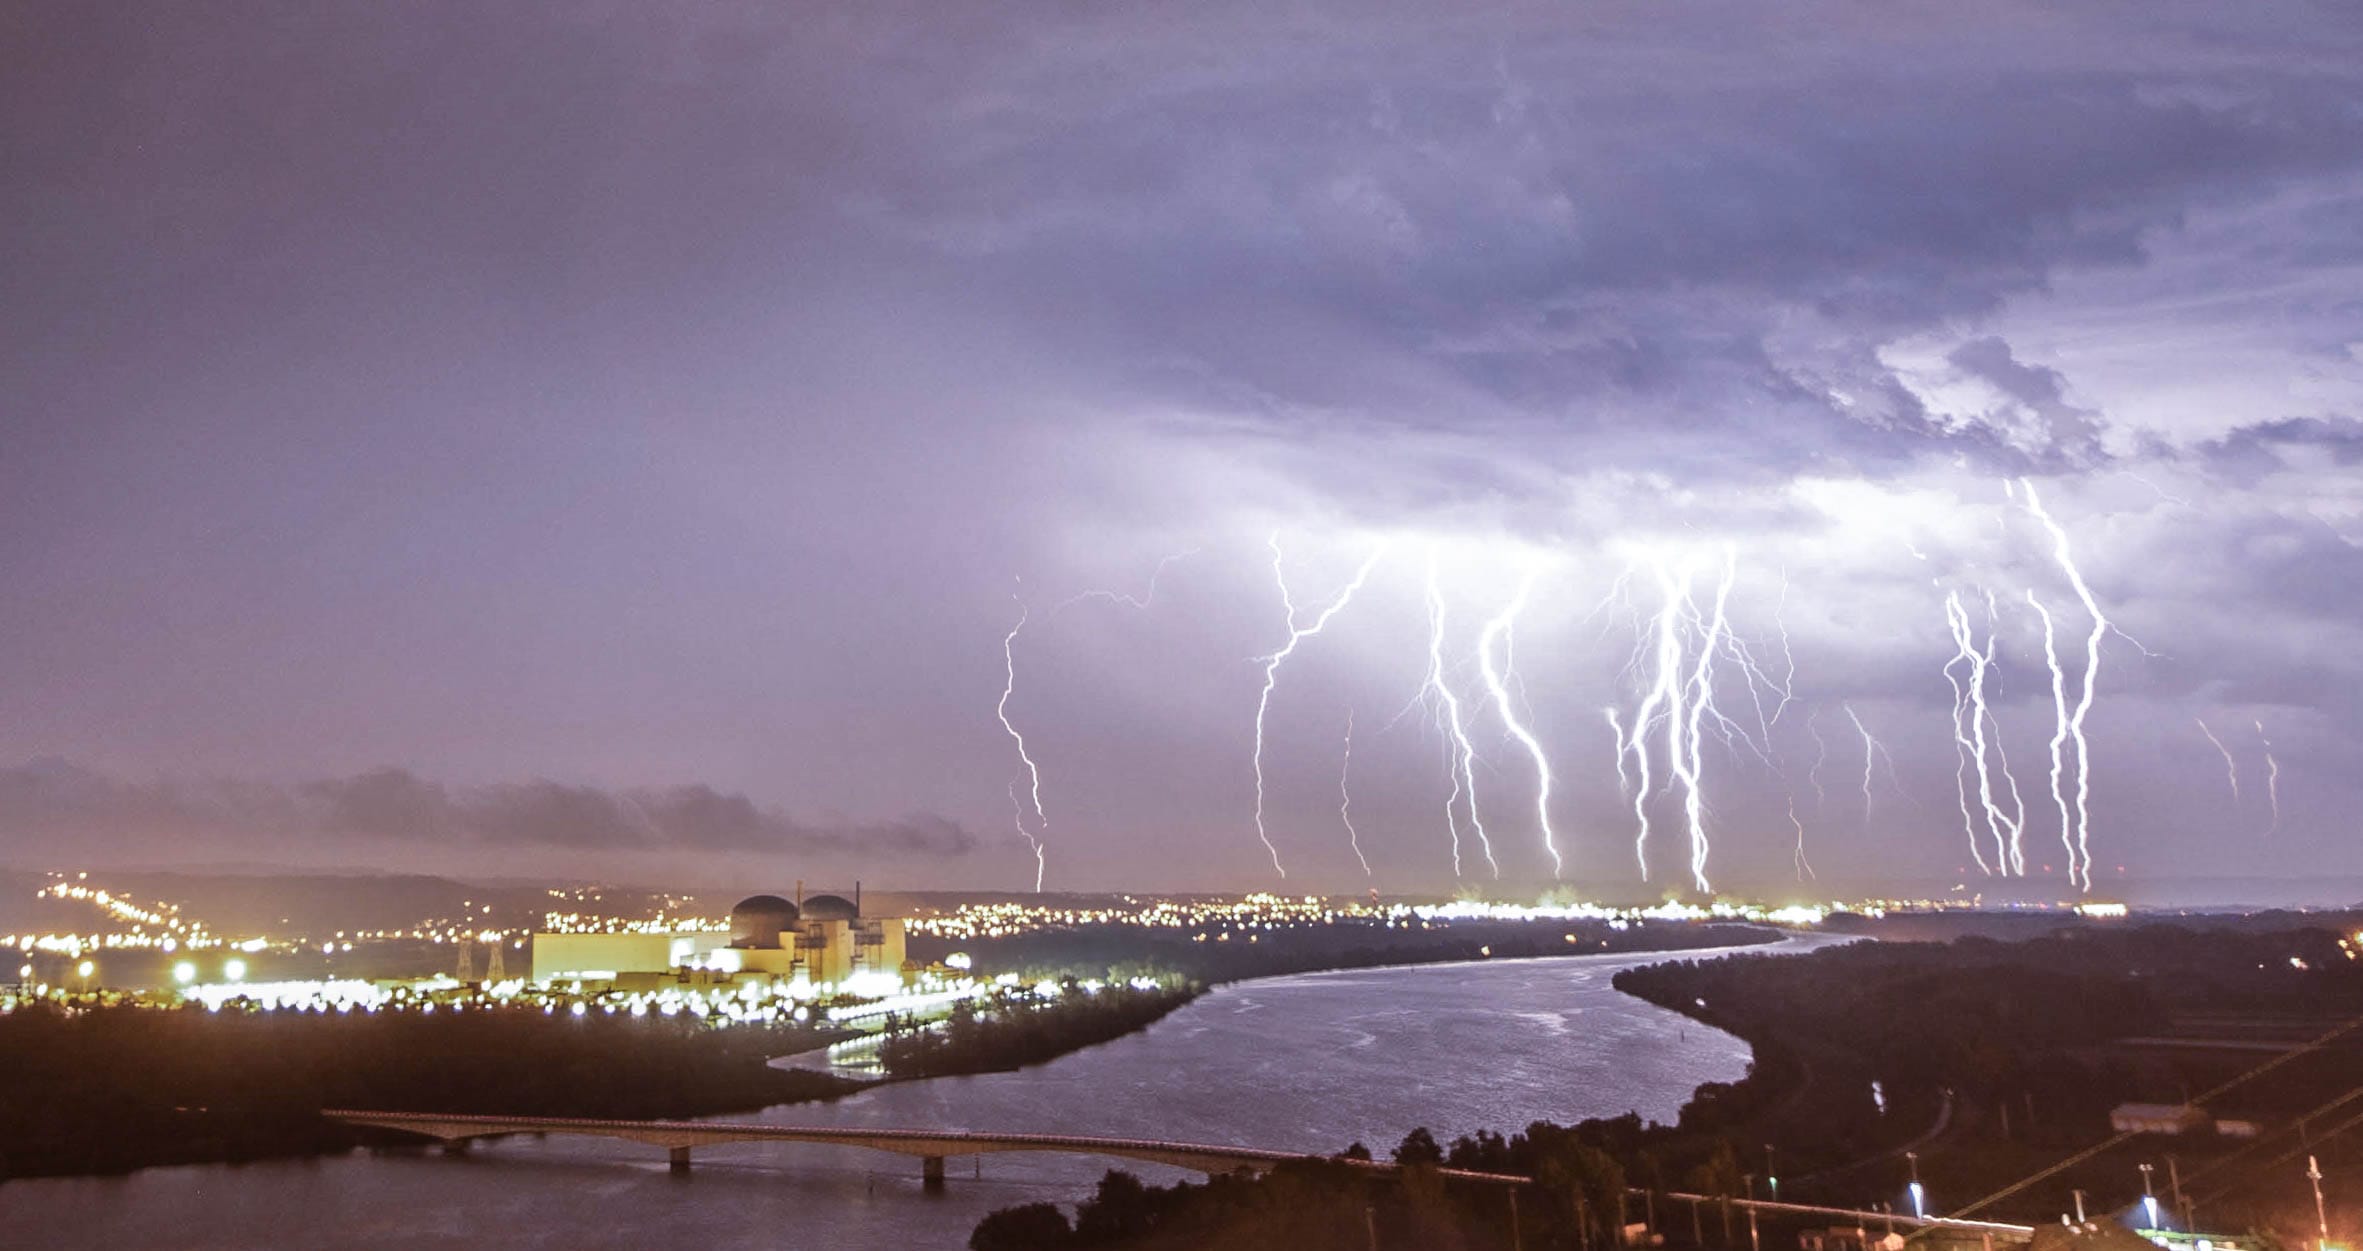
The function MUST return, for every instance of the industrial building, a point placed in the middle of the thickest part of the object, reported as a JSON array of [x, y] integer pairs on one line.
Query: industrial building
[[823, 940]]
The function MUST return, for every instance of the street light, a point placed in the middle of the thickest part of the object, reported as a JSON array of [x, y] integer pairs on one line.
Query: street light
[[1919, 1196], [1771, 1174], [2321, 1217], [2149, 1197]]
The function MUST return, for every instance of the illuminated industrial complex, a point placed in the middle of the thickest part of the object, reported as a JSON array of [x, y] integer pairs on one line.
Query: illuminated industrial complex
[[823, 940]]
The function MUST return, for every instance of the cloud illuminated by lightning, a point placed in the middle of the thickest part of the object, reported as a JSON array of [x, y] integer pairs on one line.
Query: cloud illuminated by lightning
[[1296, 635]]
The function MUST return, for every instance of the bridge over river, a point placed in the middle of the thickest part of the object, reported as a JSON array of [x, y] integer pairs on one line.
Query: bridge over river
[[934, 1146], [931, 1146]]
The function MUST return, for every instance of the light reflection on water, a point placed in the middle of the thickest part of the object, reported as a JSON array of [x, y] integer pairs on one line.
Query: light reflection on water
[[1307, 1063]]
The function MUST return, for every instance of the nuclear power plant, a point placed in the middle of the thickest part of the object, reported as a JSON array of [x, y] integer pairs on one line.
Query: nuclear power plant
[[822, 940]]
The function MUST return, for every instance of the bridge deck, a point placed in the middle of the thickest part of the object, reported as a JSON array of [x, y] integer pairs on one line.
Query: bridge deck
[[924, 1143]]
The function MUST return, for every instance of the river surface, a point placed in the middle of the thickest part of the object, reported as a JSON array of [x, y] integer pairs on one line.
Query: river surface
[[1308, 1063]]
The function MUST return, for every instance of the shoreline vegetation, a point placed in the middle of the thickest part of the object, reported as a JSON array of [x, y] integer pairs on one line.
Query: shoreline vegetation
[[115, 1089], [1987, 1060], [972, 1042], [995, 1042]]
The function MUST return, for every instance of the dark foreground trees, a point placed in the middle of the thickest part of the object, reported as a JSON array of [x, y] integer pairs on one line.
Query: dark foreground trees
[[123, 1088], [1991, 1059]]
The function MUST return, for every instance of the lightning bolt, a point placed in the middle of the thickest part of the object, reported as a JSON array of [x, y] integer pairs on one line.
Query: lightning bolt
[[1872, 753], [2100, 628], [1788, 683], [1296, 634], [2231, 766], [1009, 663], [2060, 727], [1345, 795], [1971, 731], [1139, 602], [1821, 756], [1681, 649], [1009, 689], [1463, 766], [2018, 803], [1702, 703], [1674, 601], [1499, 628], [1624, 781], [1804, 866], [1964, 727], [2272, 778]]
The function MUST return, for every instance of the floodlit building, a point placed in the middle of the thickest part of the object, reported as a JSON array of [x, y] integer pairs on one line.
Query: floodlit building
[[2157, 1118], [824, 940], [1848, 1238]]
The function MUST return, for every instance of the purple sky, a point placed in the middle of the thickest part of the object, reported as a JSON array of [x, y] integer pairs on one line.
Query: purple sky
[[579, 439]]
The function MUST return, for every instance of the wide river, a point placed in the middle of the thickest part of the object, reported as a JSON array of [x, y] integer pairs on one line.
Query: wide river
[[1304, 1063]]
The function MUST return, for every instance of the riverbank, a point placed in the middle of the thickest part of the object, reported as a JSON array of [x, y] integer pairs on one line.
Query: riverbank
[[118, 1089], [1301, 1063], [1582, 1172], [971, 1042], [1997, 1066], [1217, 956]]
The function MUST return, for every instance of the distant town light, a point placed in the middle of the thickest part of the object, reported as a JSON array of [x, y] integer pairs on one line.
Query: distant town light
[[234, 969], [184, 973]]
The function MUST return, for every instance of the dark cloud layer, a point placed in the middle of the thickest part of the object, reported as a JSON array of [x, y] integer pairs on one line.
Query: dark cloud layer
[[47, 806]]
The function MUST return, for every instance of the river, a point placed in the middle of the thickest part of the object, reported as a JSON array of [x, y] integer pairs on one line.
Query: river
[[1310, 1062]]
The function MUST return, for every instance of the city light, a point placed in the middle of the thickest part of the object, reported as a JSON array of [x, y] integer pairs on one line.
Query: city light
[[234, 969]]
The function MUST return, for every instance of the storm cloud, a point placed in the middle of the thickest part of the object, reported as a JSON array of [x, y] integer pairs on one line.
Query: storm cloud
[[604, 393], [52, 804]]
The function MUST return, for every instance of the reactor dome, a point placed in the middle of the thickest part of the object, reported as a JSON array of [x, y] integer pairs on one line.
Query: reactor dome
[[830, 908], [758, 920]]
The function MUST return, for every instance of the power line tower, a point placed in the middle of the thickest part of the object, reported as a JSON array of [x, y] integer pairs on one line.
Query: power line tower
[[494, 969], [467, 961]]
